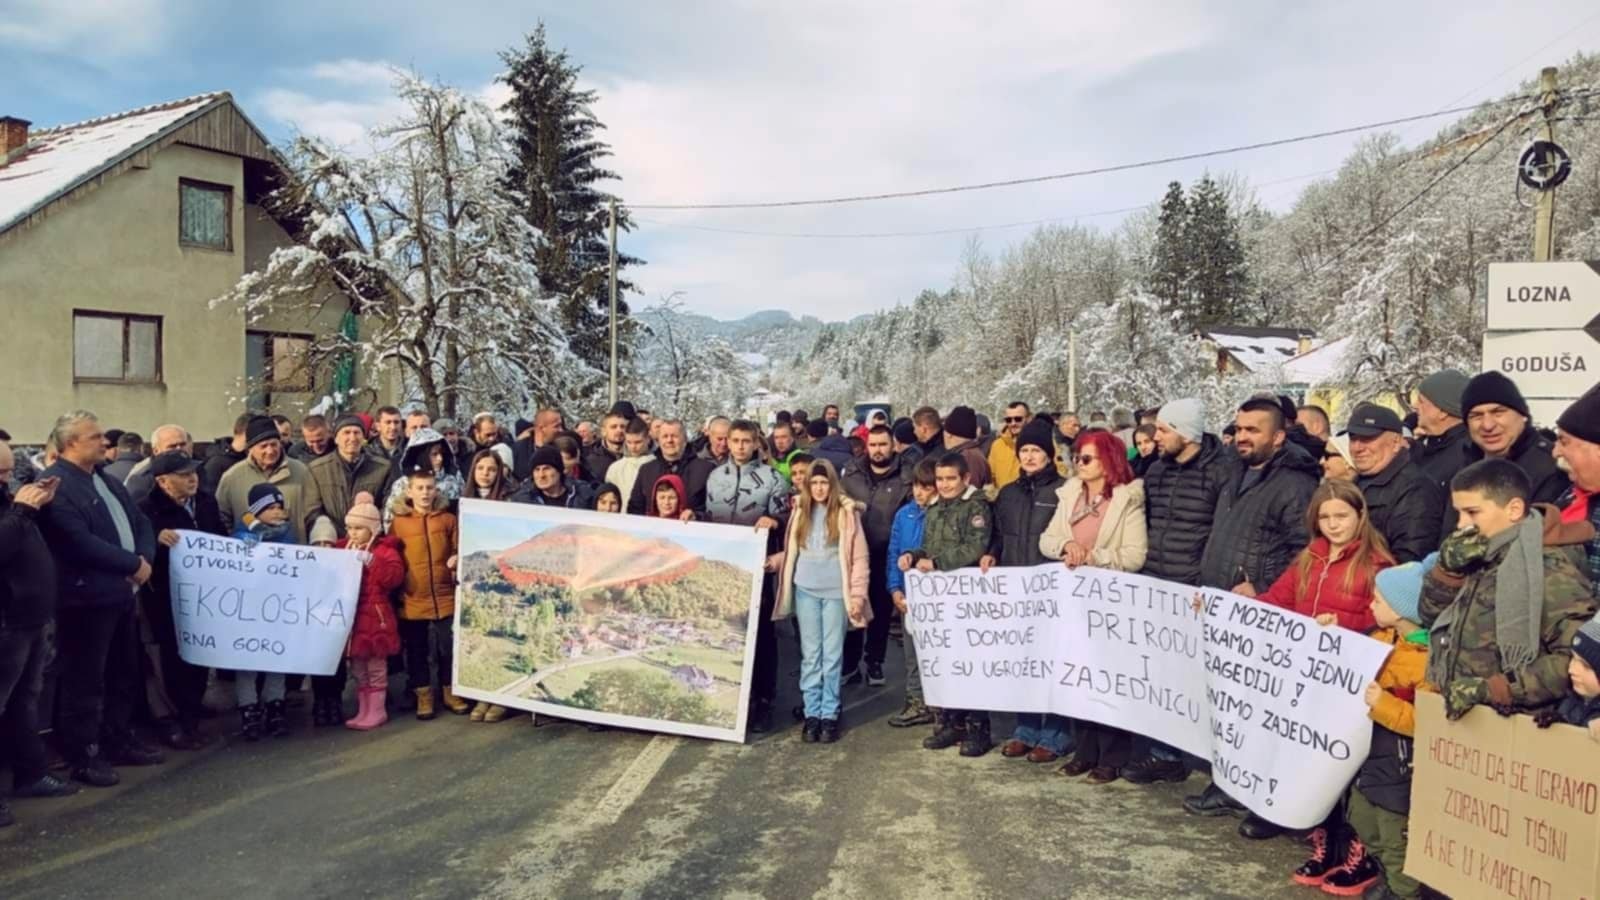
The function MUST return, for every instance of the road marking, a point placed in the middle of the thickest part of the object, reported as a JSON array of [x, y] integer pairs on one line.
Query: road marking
[[634, 780]]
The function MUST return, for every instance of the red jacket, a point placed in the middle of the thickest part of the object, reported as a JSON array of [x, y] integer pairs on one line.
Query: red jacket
[[1326, 591], [377, 632]]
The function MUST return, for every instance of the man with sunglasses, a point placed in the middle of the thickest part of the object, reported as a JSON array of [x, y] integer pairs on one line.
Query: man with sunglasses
[[1003, 465]]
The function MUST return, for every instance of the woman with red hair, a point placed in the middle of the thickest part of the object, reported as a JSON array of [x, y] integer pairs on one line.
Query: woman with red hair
[[1099, 521]]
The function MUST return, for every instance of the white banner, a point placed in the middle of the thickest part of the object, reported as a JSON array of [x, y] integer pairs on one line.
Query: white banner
[[262, 607], [1270, 698]]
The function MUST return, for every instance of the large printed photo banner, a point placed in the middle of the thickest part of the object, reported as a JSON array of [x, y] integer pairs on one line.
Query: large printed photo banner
[[606, 618], [262, 607], [1270, 698]]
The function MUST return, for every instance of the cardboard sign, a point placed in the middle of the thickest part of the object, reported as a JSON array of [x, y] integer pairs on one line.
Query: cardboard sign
[[1501, 808], [262, 607], [1271, 698]]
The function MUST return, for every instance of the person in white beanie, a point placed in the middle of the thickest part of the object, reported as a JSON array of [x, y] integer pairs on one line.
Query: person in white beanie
[[1337, 464], [323, 533]]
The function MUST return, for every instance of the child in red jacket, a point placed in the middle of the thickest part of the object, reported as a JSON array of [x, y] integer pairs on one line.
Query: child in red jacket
[[1332, 579], [376, 635]]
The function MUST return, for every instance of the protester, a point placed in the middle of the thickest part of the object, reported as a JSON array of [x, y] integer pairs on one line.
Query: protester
[[375, 635], [1314, 419], [905, 535], [608, 499], [550, 485], [822, 579], [427, 449], [782, 447], [265, 463], [429, 539], [485, 430], [956, 533], [961, 436], [1023, 511], [716, 437], [488, 477], [164, 439], [905, 442], [1002, 458], [1099, 520], [668, 499], [1498, 423], [225, 456], [1582, 706], [337, 477], [1502, 608], [588, 434], [1402, 502], [102, 546], [928, 429], [1145, 450], [460, 445], [1440, 450], [285, 428], [1332, 578], [27, 610], [1578, 446], [1338, 463], [176, 504], [315, 440], [671, 459], [879, 485], [609, 446], [265, 519], [572, 460], [390, 442], [635, 453], [130, 452], [832, 447]]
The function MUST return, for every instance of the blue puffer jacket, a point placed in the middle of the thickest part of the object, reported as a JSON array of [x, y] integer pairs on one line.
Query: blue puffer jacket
[[904, 535]]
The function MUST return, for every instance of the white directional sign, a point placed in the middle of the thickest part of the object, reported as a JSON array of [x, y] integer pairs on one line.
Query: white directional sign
[[1545, 364], [1528, 296]]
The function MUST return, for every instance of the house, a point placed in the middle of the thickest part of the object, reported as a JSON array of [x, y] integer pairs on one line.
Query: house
[[1316, 376], [116, 234], [693, 677], [1242, 349]]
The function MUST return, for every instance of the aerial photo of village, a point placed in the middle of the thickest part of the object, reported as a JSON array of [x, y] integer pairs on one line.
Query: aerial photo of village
[[603, 620]]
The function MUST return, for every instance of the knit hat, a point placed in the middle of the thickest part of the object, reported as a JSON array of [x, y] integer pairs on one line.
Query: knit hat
[[1492, 387], [1582, 418], [547, 455], [905, 432], [260, 430], [1037, 433], [262, 496], [348, 420], [1401, 586], [323, 532], [984, 425], [817, 429], [364, 513], [962, 422], [1187, 417], [1586, 643], [1443, 389], [505, 454]]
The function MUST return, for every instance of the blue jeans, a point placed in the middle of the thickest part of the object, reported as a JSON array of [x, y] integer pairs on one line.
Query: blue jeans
[[821, 648], [1046, 730]]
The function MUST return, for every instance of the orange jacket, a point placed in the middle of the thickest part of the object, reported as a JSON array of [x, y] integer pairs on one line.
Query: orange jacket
[[1400, 678], [428, 542]]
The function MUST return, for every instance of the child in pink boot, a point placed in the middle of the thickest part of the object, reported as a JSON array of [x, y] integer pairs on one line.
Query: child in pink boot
[[376, 634]]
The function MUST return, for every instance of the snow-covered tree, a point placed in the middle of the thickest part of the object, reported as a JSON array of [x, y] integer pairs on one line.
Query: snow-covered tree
[[425, 241], [684, 374]]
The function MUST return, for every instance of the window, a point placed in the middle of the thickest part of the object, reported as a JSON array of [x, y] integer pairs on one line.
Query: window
[[116, 348], [205, 215], [276, 361]]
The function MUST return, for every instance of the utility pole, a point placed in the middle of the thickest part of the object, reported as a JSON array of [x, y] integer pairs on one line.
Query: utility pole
[[1072, 371], [1544, 223], [612, 207]]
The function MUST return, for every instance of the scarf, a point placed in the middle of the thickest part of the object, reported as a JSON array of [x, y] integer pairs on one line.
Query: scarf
[[1518, 598], [1578, 509]]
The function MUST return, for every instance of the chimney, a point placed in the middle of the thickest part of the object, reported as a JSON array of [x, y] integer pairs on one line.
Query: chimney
[[13, 135]]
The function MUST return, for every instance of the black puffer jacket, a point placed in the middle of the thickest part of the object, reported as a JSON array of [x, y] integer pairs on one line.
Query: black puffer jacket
[[27, 571], [1403, 504], [1022, 511], [881, 496], [1258, 532], [1180, 504], [1535, 456], [1441, 457]]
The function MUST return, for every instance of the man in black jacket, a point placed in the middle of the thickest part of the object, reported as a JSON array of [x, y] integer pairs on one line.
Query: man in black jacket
[[27, 606], [880, 485], [102, 546], [1497, 420], [225, 456], [1402, 502], [672, 458], [1258, 530], [608, 448], [1442, 433], [177, 503], [548, 484]]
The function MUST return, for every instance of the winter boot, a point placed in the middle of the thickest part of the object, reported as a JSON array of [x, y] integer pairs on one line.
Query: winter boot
[[977, 741], [478, 712], [372, 712], [949, 731], [495, 714], [250, 718], [277, 723], [424, 703], [1359, 872], [914, 713], [1315, 869], [455, 704]]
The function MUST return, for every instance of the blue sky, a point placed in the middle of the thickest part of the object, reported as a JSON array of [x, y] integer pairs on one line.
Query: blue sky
[[748, 100]]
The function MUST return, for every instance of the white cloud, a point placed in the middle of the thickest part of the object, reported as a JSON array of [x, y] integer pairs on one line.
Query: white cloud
[[91, 29], [360, 73]]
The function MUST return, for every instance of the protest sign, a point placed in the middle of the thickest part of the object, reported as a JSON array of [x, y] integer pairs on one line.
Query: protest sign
[[619, 620], [1500, 807], [262, 607], [1271, 698]]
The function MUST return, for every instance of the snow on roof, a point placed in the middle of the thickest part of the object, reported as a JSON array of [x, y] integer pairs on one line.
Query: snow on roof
[[1258, 349], [56, 160], [1318, 366]]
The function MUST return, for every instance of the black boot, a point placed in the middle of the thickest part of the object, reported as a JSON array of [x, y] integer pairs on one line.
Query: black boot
[[277, 723], [1213, 801], [761, 717], [977, 741], [948, 733], [250, 720]]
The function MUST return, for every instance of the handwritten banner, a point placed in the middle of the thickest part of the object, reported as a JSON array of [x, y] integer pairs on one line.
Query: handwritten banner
[[262, 607], [1271, 698], [1501, 808]]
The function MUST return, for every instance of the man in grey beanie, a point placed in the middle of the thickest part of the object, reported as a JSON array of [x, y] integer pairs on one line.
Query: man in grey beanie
[[1441, 428]]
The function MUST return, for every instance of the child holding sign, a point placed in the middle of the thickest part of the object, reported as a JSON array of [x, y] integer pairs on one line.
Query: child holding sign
[[375, 636], [264, 521], [903, 535], [428, 534]]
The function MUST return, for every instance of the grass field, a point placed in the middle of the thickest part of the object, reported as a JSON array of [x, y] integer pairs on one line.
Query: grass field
[[485, 661], [723, 665], [564, 684]]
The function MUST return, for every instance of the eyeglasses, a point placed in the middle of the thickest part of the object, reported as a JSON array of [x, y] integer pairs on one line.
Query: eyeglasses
[[1084, 459], [1012, 420]]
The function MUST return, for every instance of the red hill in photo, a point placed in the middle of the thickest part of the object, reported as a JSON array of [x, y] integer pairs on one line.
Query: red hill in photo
[[582, 557]]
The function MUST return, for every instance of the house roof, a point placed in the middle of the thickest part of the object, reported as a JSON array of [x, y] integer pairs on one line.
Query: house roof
[[1258, 349], [57, 161], [1319, 366]]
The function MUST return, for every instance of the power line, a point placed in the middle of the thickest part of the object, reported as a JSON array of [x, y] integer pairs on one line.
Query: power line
[[1080, 173]]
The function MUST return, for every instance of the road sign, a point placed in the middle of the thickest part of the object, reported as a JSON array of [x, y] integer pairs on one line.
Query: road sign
[[1545, 364], [1524, 296], [1545, 412]]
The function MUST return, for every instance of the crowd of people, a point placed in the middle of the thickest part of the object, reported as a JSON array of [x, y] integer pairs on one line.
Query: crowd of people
[[1461, 535]]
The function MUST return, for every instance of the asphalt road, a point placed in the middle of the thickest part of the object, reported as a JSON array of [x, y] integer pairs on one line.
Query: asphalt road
[[454, 809]]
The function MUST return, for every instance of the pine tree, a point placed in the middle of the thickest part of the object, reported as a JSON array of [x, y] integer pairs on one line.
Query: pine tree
[[1219, 280], [1170, 266], [559, 155]]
